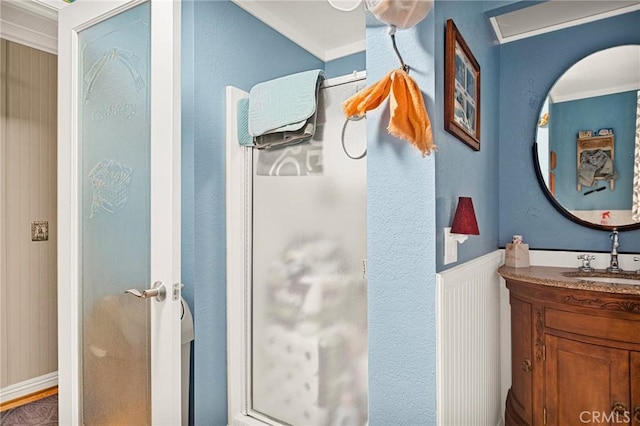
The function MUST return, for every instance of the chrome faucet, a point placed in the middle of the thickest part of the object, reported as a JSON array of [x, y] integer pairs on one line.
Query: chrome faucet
[[586, 262], [615, 243]]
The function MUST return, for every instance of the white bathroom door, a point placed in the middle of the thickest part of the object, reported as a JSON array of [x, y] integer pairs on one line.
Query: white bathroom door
[[119, 212]]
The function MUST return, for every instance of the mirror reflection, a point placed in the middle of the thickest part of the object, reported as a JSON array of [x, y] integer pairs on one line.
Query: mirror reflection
[[587, 138]]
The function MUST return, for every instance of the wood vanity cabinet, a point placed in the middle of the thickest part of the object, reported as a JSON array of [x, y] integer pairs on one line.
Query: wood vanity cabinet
[[575, 356]]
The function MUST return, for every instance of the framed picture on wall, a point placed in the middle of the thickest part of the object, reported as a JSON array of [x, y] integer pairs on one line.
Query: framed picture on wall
[[461, 89]]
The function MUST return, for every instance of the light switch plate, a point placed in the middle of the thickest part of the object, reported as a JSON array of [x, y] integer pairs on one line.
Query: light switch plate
[[39, 230], [450, 247]]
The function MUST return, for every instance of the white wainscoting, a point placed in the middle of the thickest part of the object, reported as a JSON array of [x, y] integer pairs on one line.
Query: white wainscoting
[[468, 352], [473, 318]]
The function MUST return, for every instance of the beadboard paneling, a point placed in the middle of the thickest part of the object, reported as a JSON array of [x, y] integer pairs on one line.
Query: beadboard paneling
[[29, 269], [468, 343]]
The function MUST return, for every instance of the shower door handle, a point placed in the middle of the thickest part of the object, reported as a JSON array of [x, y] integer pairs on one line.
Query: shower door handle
[[158, 291]]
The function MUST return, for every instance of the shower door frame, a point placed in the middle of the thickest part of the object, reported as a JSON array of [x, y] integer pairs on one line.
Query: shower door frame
[[239, 186], [239, 221]]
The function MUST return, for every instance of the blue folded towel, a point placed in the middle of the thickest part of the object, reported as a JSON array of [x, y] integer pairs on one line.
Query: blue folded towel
[[269, 140], [284, 104]]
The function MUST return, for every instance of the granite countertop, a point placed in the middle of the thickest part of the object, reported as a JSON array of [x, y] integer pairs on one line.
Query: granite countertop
[[571, 278]]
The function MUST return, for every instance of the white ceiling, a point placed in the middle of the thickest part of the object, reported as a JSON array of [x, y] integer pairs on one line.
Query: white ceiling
[[329, 34], [606, 72], [313, 24], [322, 30]]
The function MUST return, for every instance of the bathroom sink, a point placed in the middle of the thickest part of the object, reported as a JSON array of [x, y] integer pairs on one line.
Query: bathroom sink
[[625, 277], [614, 280]]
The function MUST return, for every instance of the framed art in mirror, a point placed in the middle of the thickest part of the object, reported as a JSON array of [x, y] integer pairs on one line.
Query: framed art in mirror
[[461, 89]]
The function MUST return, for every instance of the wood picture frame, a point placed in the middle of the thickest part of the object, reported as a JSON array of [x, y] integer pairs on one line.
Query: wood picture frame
[[461, 89]]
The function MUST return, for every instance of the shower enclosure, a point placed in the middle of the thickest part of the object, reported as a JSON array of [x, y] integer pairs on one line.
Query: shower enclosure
[[297, 273]]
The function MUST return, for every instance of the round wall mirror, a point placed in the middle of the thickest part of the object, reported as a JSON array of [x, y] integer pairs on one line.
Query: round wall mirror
[[588, 134]]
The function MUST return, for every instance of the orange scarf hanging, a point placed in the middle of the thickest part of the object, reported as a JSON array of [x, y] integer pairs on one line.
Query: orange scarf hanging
[[409, 119]]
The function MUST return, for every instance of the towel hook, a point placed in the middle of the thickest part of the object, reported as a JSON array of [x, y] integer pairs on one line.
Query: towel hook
[[392, 32]]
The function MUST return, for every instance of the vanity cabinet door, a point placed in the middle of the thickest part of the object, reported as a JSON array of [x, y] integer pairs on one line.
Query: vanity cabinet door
[[585, 383], [635, 388], [521, 393]]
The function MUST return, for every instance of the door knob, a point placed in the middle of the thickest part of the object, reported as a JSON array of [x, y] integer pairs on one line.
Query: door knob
[[158, 291], [526, 366]]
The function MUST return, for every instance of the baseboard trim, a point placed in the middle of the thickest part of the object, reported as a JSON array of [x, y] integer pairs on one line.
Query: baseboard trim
[[28, 391]]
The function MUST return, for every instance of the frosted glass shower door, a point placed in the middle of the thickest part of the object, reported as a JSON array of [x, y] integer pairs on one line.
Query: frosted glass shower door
[[309, 293], [119, 204]]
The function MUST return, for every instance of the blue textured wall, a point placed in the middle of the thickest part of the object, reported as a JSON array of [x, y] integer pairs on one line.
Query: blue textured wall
[[500, 7], [401, 246], [528, 69], [617, 111], [345, 65], [461, 171], [228, 48]]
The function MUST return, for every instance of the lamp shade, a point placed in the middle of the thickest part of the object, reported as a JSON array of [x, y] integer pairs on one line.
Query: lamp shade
[[464, 221], [402, 14]]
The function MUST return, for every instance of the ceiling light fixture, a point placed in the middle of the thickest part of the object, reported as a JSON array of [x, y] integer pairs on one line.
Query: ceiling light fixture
[[401, 14], [345, 5]]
